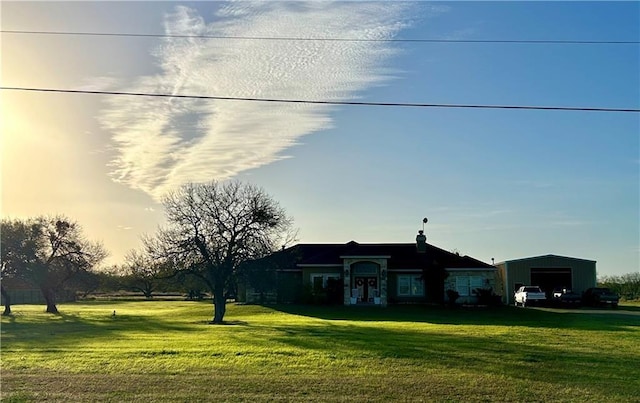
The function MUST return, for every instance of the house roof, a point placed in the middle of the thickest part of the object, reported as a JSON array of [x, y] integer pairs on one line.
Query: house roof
[[399, 255]]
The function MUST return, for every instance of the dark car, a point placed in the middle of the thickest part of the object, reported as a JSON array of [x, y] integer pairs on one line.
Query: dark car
[[565, 297], [598, 296]]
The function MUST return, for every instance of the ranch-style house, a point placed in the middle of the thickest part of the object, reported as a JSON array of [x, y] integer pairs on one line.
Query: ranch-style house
[[365, 274]]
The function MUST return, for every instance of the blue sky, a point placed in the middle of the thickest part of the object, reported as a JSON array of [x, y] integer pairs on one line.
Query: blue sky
[[500, 184]]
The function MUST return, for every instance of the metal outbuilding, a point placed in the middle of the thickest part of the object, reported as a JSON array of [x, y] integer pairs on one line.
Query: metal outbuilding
[[548, 272]]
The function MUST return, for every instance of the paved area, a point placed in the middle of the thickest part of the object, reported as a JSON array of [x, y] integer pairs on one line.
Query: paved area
[[633, 311]]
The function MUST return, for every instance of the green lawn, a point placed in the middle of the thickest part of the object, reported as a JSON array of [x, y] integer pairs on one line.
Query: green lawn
[[166, 351]]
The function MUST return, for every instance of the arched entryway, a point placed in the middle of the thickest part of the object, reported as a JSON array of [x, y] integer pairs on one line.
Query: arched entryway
[[366, 282]]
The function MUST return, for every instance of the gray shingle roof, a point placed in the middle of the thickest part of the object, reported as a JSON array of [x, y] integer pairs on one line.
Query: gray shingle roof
[[401, 255]]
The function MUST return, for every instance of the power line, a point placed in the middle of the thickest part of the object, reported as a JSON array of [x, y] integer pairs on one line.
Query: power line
[[352, 103], [287, 38]]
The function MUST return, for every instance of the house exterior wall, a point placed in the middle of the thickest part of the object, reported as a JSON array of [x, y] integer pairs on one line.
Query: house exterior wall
[[513, 272], [501, 282], [466, 280], [307, 272], [251, 296], [289, 287], [288, 290]]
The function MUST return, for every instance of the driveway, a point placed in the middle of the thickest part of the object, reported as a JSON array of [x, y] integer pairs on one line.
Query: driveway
[[632, 311]]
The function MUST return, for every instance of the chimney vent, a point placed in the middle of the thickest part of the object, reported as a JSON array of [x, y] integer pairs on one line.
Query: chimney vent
[[421, 242]]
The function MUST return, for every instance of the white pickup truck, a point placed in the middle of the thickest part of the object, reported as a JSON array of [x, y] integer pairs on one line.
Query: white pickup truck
[[529, 294]]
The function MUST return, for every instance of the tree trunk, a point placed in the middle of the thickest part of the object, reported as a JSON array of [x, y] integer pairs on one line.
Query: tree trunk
[[7, 301], [50, 296], [220, 306]]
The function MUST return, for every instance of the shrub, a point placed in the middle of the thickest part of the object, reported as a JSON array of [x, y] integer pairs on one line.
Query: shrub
[[486, 296], [334, 291], [452, 295]]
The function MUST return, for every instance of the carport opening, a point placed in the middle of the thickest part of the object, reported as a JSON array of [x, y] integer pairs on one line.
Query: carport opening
[[549, 279]]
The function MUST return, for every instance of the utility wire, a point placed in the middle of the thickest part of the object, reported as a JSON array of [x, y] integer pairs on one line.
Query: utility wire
[[285, 38], [354, 103]]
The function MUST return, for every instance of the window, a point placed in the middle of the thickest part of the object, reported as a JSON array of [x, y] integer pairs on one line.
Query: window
[[466, 284], [410, 286], [320, 280], [365, 268], [475, 282], [462, 285], [404, 285]]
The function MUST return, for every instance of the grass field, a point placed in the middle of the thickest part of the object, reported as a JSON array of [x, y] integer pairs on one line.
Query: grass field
[[166, 351]]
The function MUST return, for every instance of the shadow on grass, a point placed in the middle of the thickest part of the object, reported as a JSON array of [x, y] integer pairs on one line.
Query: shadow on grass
[[352, 337], [508, 355], [67, 329], [615, 320]]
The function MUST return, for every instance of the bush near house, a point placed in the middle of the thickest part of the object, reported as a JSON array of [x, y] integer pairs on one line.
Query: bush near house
[[452, 296], [319, 295], [486, 296]]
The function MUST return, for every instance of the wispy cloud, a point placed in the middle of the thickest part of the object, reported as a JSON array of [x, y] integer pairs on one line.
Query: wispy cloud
[[98, 83], [162, 143]]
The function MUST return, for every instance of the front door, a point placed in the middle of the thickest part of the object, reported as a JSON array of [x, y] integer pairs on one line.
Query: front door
[[367, 288]]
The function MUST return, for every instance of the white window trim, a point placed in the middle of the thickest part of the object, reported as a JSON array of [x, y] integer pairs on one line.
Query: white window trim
[[325, 277], [417, 280], [412, 279], [466, 284], [407, 279]]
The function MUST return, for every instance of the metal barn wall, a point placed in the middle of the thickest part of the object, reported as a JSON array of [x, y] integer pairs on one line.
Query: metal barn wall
[[583, 272]]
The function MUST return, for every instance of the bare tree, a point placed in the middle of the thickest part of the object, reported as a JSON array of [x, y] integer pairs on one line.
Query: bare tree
[[143, 273], [214, 227], [48, 251]]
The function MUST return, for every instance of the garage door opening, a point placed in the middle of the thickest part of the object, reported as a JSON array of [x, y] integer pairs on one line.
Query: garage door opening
[[548, 279]]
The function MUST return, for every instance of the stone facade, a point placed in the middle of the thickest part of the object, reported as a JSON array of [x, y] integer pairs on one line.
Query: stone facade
[[474, 279], [347, 275]]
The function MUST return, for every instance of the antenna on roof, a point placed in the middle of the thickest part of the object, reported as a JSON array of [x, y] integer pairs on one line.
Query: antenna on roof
[[424, 221]]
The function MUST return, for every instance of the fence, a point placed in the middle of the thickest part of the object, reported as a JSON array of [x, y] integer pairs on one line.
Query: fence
[[34, 296]]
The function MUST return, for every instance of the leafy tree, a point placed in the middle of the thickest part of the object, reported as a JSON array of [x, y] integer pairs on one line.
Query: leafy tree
[[214, 227], [85, 282], [48, 252], [110, 280], [7, 300], [15, 251], [18, 250], [626, 285]]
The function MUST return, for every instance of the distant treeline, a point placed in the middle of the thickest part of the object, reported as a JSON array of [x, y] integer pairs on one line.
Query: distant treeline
[[626, 285]]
